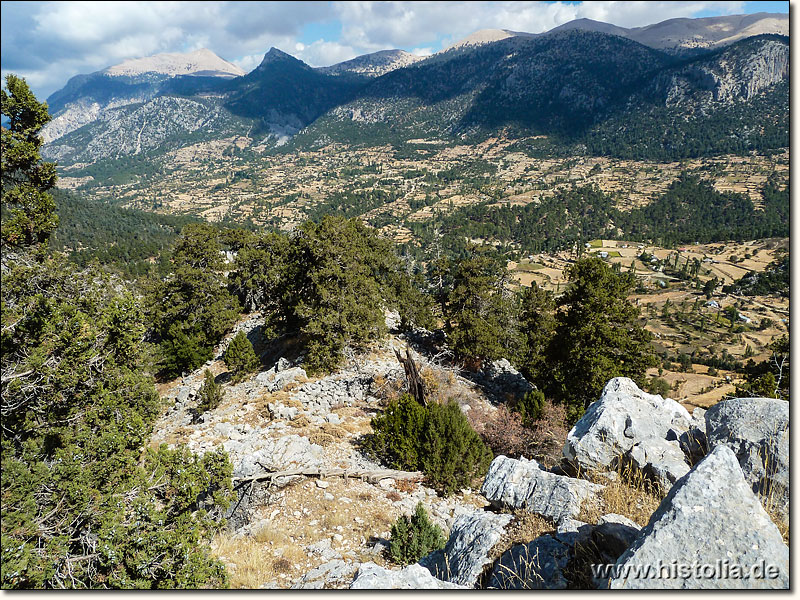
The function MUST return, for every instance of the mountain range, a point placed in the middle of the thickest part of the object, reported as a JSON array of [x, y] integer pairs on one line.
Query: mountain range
[[680, 88]]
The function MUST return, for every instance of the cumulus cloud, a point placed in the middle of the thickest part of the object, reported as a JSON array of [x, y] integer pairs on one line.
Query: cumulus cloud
[[48, 42]]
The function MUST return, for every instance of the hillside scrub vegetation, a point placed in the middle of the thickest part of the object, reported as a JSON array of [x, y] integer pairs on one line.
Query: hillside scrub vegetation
[[85, 505]]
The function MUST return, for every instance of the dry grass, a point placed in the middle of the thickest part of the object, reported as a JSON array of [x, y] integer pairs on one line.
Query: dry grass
[[321, 438], [406, 485], [349, 412], [631, 495], [252, 563], [334, 430], [300, 421], [525, 527]]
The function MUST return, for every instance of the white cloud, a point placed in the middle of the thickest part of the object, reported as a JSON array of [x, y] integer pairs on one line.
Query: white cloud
[[322, 53]]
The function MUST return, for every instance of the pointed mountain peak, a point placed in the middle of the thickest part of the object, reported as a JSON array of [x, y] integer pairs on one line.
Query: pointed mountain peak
[[275, 56]]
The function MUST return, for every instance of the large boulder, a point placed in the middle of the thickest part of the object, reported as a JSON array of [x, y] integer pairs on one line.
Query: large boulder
[[537, 565], [662, 461], [413, 577], [707, 532], [625, 417], [613, 535], [466, 554], [273, 454], [522, 484], [757, 430]]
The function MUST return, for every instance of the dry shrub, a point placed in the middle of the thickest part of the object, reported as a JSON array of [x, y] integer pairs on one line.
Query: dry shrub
[[300, 421], [504, 433], [333, 430], [393, 496], [334, 519], [350, 411], [405, 485], [387, 389], [281, 565], [321, 438]]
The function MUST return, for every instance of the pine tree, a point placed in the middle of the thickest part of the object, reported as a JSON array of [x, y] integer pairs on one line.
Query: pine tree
[[597, 336], [211, 393], [26, 179], [240, 357]]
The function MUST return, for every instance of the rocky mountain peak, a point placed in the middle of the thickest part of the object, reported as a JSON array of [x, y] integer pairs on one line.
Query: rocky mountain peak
[[279, 56], [486, 36], [374, 64], [202, 61]]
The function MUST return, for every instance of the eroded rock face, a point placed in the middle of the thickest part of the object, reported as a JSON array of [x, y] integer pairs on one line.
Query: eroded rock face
[[629, 424], [613, 535], [467, 551], [413, 577], [522, 484], [537, 565], [757, 430], [709, 515]]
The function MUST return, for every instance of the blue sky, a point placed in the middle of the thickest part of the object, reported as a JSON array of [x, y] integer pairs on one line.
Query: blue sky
[[49, 42]]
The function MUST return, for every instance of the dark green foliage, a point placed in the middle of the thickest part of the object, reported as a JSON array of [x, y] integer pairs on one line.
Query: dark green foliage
[[657, 385], [240, 357], [597, 336], [414, 537], [330, 283], [28, 210], [259, 278], [121, 238], [530, 406], [437, 439], [83, 504], [536, 324], [477, 308], [192, 309], [211, 393], [774, 280], [770, 378], [398, 434], [692, 210], [452, 454]]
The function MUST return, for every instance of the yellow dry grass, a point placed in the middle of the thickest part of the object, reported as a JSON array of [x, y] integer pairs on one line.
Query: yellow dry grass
[[630, 494]]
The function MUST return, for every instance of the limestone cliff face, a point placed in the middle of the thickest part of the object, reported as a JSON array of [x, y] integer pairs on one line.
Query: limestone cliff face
[[729, 76]]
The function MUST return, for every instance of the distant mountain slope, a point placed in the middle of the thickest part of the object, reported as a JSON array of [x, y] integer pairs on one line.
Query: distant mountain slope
[[283, 94], [85, 97], [600, 92], [682, 35], [735, 99], [372, 65], [546, 84]]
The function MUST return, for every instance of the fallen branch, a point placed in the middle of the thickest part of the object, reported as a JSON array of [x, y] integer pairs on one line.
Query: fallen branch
[[370, 476]]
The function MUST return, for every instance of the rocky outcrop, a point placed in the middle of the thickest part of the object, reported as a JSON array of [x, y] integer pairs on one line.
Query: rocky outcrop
[[708, 530], [757, 430], [613, 535], [466, 554], [499, 378], [537, 565], [627, 424], [413, 577], [733, 76], [522, 484], [331, 574]]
